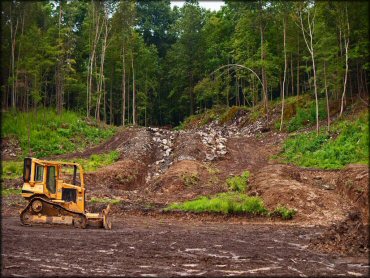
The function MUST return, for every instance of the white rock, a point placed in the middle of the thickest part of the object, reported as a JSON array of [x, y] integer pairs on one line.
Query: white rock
[[185, 157], [210, 157]]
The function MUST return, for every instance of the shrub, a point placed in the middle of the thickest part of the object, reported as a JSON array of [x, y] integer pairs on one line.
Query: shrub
[[230, 202], [348, 143], [284, 212], [238, 183], [105, 201], [307, 116]]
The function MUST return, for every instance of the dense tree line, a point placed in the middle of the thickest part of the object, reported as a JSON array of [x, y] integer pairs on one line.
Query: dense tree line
[[142, 62]]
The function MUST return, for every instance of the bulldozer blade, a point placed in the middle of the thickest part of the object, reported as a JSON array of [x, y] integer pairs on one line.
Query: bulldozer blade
[[107, 218], [102, 220]]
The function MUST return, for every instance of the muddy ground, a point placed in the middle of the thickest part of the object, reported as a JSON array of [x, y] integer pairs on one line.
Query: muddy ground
[[150, 247], [328, 236]]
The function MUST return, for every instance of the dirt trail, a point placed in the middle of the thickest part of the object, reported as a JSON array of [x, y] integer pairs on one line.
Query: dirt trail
[[147, 247]]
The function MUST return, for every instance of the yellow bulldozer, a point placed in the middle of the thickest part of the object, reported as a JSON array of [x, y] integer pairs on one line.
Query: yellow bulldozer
[[55, 192]]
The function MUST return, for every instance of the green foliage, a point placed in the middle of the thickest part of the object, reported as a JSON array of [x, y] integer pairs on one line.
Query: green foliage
[[230, 114], [230, 202], [238, 183], [5, 192], [52, 134], [105, 201], [284, 212], [348, 143], [12, 169], [307, 116], [202, 119], [96, 161]]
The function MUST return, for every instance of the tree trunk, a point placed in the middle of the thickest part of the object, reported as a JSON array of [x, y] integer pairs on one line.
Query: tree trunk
[[59, 72], [263, 58], [133, 91], [298, 70], [284, 78], [327, 97], [92, 60], [292, 72], [311, 25], [13, 36], [111, 120], [123, 86], [101, 73], [128, 100], [346, 44]]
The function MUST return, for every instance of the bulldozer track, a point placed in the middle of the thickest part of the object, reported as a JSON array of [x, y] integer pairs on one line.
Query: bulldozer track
[[79, 219]]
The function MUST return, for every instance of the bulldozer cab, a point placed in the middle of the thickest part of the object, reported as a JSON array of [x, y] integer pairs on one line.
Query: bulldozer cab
[[58, 181]]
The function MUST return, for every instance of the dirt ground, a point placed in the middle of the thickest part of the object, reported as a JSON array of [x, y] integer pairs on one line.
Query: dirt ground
[[163, 247], [328, 236]]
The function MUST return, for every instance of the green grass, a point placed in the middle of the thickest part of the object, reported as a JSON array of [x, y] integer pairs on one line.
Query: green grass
[[105, 201], [5, 192], [229, 202], [96, 161], [347, 143], [238, 183], [52, 134], [306, 116], [284, 212], [12, 169]]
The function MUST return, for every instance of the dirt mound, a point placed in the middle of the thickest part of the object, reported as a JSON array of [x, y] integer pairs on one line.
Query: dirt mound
[[189, 147], [315, 202], [353, 184], [350, 237], [184, 180], [122, 175], [10, 148]]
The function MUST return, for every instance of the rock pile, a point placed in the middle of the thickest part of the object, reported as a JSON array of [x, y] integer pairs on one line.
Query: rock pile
[[162, 140]]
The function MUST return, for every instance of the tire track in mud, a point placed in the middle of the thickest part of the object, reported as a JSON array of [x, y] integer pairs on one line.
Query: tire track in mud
[[142, 246]]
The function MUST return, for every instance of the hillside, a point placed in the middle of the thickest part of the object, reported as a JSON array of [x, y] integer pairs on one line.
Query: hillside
[[200, 166]]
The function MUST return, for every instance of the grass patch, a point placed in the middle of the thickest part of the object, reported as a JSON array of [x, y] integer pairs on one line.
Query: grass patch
[[202, 119], [284, 212], [5, 192], [306, 116], [105, 201], [347, 143], [52, 134], [229, 202], [96, 161], [12, 169], [231, 113], [238, 183]]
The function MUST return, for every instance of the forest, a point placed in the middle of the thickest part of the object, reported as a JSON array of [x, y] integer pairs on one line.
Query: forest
[[145, 63]]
